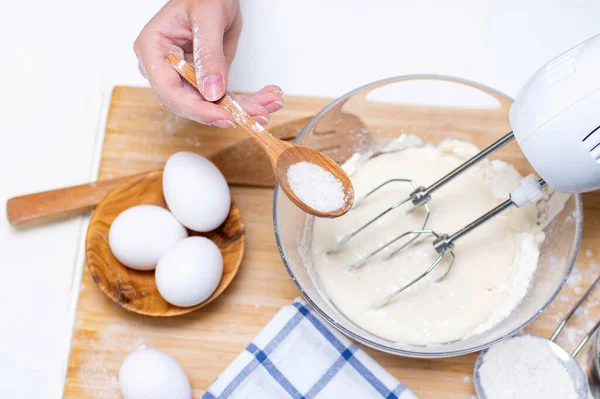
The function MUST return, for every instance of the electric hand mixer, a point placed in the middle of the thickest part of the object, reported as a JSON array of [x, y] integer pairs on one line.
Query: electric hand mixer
[[556, 122]]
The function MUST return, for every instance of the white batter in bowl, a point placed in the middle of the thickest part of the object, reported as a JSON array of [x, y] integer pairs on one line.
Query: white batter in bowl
[[494, 264]]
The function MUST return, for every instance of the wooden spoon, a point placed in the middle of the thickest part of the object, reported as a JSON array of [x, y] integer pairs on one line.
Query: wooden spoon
[[243, 163], [136, 290], [282, 154]]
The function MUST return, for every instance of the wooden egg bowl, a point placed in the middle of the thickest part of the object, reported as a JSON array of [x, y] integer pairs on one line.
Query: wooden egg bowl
[[136, 290]]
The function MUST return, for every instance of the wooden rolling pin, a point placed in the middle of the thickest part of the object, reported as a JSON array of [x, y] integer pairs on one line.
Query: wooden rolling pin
[[243, 163]]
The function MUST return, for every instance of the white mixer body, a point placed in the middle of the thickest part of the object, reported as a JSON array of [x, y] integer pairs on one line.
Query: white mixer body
[[556, 119]]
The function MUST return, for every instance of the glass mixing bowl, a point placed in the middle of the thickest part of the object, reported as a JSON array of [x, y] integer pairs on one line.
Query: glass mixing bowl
[[433, 108]]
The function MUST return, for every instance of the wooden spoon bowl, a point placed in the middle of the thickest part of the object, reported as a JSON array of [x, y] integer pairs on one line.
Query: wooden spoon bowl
[[281, 153], [136, 290], [296, 153]]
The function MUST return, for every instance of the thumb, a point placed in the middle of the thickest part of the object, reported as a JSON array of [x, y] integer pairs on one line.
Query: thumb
[[209, 22]]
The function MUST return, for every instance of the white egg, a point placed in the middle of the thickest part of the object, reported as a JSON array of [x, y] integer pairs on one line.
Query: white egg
[[196, 191], [140, 235], [189, 272], [152, 374]]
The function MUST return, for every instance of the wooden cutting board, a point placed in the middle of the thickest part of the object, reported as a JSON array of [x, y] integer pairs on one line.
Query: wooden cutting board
[[141, 136]]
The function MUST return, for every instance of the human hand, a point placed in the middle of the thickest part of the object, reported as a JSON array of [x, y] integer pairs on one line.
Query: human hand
[[204, 33]]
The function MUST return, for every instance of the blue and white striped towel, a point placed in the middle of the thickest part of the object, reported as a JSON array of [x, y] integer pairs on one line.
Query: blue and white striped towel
[[297, 356]]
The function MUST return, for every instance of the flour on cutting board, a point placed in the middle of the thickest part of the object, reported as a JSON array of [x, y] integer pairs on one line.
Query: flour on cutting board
[[581, 277], [106, 348]]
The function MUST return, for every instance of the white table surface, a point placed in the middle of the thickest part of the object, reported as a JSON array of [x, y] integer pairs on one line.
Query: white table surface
[[61, 58]]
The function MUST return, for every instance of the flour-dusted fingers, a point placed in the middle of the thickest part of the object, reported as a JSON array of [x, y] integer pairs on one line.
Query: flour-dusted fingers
[[204, 33]]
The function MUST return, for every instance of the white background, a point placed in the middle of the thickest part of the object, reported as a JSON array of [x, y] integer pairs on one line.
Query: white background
[[60, 59]]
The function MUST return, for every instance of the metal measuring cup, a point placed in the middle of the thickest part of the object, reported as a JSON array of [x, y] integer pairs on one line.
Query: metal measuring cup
[[594, 374], [580, 381]]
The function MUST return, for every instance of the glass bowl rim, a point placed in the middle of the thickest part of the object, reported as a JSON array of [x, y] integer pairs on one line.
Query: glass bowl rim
[[384, 348]]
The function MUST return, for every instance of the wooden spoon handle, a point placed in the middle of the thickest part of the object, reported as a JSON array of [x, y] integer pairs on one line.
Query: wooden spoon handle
[[242, 163], [52, 204], [270, 144]]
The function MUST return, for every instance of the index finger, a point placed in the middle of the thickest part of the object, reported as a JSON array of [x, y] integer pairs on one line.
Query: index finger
[[173, 93]]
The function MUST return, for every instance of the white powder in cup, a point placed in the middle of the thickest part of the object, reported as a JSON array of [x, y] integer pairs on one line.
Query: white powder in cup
[[525, 367], [316, 187]]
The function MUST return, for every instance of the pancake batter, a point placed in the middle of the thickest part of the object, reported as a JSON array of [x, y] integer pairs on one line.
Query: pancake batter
[[494, 264]]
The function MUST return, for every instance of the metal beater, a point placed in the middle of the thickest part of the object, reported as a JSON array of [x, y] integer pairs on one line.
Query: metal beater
[[530, 190], [419, 197]]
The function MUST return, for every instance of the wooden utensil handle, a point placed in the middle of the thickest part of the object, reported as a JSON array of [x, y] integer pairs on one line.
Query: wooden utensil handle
[[52, 204], [184, 69], [242, 163]]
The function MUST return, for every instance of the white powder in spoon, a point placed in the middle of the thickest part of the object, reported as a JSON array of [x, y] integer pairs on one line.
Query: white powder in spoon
[[525, 367], [316, 187]]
